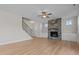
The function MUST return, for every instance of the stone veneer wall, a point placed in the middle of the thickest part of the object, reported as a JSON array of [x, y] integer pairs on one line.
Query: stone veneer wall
[[54, 25]]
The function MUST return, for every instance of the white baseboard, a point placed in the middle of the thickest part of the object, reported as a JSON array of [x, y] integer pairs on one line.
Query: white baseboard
[[10, 42]]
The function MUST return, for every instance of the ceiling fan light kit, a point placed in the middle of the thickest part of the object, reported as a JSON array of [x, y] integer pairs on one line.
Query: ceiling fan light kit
[[45, 14]]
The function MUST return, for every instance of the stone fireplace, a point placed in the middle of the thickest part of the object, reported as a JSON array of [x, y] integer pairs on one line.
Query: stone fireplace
[[54, 29]]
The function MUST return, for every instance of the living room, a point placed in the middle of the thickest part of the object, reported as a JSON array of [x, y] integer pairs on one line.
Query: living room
[[31, 27]]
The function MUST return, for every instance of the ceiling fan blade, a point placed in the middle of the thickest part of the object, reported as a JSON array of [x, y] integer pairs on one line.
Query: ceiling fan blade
[[49, 14]]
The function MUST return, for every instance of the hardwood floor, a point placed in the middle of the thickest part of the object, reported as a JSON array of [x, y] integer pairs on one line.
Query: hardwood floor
[[39, 46]]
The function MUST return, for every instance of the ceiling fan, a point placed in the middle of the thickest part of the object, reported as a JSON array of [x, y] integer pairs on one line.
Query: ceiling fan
[[45, 14]]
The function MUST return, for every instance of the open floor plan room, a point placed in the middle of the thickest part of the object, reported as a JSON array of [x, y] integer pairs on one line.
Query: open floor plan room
[[39, 29]]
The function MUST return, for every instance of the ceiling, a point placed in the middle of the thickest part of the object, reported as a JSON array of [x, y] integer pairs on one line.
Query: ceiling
[[31, 11]]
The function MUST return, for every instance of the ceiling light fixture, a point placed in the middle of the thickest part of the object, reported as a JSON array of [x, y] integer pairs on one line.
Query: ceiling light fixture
[[45, 14]]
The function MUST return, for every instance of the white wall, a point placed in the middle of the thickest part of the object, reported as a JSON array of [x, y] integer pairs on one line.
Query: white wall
[[11, 28], [42, 30], [45, 29], [78, 24]]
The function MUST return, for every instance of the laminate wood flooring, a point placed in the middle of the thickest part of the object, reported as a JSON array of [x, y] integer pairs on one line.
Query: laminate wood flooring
[[39, 46]]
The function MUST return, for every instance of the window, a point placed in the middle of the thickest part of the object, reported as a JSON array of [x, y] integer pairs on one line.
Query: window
[[68, 22]]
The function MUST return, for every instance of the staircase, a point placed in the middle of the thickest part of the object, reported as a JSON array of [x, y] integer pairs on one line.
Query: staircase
[[34, 29], [26, 27]]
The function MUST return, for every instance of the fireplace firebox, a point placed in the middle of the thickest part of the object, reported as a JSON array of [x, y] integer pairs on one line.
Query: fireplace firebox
[[54, 34]]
